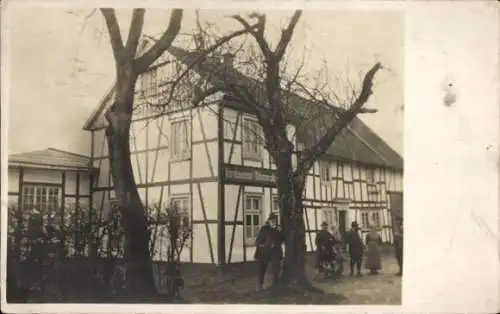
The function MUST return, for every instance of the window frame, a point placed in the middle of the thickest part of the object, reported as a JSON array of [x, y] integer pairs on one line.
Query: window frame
[[246, 152], [35, 199], [325, 165], [42, 204], [329, 215], [250, 240], [275, 200], [365, 222], [370, 176], [229, 129], [185, 154], [182, 197], [148, 82], [376, 222]]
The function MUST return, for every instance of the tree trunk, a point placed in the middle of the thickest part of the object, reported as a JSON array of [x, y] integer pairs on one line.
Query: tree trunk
[[290, 189], [139, 271]]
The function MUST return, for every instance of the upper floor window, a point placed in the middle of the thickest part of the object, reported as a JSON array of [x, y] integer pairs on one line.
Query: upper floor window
[[181, 140], [252, 139], [148, 83], [324, 172], [253, 213], [229, 128], [370, 176]]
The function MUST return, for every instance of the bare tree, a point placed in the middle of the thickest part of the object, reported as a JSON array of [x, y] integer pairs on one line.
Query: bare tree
[[119, 118], [129, 67], [276, 97]]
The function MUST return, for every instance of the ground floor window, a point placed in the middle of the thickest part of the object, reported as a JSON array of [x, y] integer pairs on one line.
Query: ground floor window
[[182, 204], [328, 215], [42, 197], [252, 221], [365, 222], [275, 207], [376, 219]]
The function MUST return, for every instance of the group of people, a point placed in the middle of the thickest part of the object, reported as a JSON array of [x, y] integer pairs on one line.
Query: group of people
[[329, 246], [357, 249]]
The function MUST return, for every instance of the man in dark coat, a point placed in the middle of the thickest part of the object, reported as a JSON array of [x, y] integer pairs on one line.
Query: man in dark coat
[[398, 248], [324, 245], [355, 247], [269, 250]]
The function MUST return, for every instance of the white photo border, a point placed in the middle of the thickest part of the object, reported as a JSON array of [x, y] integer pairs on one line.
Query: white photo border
[[451, 158]]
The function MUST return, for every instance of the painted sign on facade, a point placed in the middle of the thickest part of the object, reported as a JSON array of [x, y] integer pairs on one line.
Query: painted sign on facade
[[249, 175]]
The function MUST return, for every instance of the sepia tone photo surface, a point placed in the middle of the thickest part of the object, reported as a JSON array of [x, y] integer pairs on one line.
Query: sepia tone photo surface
[[205, 156]]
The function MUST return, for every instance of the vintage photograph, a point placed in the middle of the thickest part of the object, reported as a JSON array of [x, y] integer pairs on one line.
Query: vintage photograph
[[204, 156]]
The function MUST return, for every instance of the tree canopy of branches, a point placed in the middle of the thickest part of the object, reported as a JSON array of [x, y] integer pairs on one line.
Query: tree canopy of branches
[[277, 98]]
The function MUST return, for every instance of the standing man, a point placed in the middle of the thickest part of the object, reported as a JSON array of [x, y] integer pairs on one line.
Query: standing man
[[323, 246], [398, 247], [269, 250], [355, 247]]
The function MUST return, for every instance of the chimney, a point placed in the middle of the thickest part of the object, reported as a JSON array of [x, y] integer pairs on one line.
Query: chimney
[[199, 42], [228, 59]]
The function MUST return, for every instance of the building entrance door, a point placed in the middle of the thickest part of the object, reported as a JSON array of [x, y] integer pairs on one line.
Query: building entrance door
[[342, 222]]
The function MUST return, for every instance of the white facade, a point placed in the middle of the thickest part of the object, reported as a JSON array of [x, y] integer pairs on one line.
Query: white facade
[[190, 173]]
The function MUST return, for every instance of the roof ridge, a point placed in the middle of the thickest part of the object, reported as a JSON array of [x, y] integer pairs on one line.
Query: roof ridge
[[29, 152], [66, 152]]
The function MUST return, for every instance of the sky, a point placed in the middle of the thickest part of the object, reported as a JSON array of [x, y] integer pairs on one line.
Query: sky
[[60, 65]]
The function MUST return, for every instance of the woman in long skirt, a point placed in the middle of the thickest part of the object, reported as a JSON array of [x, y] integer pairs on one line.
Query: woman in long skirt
[[373, 240]]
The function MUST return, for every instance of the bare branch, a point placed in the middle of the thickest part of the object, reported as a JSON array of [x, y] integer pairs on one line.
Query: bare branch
[[367, 110], [342, 119], [114, 32], [134, 32], [200, 95], [259, 34], [286, 35], [85, 20], [202, 56], [142, 63]]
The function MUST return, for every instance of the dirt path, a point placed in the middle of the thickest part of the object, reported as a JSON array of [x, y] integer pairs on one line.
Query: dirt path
[[384, 288]]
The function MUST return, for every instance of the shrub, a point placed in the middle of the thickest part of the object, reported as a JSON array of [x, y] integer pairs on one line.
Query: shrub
[[77, 252]]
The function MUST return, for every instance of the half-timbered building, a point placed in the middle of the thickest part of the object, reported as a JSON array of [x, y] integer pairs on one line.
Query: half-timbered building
[[209, 160]]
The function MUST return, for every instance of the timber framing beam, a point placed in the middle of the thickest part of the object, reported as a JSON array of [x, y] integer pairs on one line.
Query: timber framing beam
[[221, 195]]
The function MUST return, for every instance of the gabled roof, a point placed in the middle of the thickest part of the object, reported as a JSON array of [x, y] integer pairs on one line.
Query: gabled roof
[[98, 111], [51, 158], [357, 142]]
